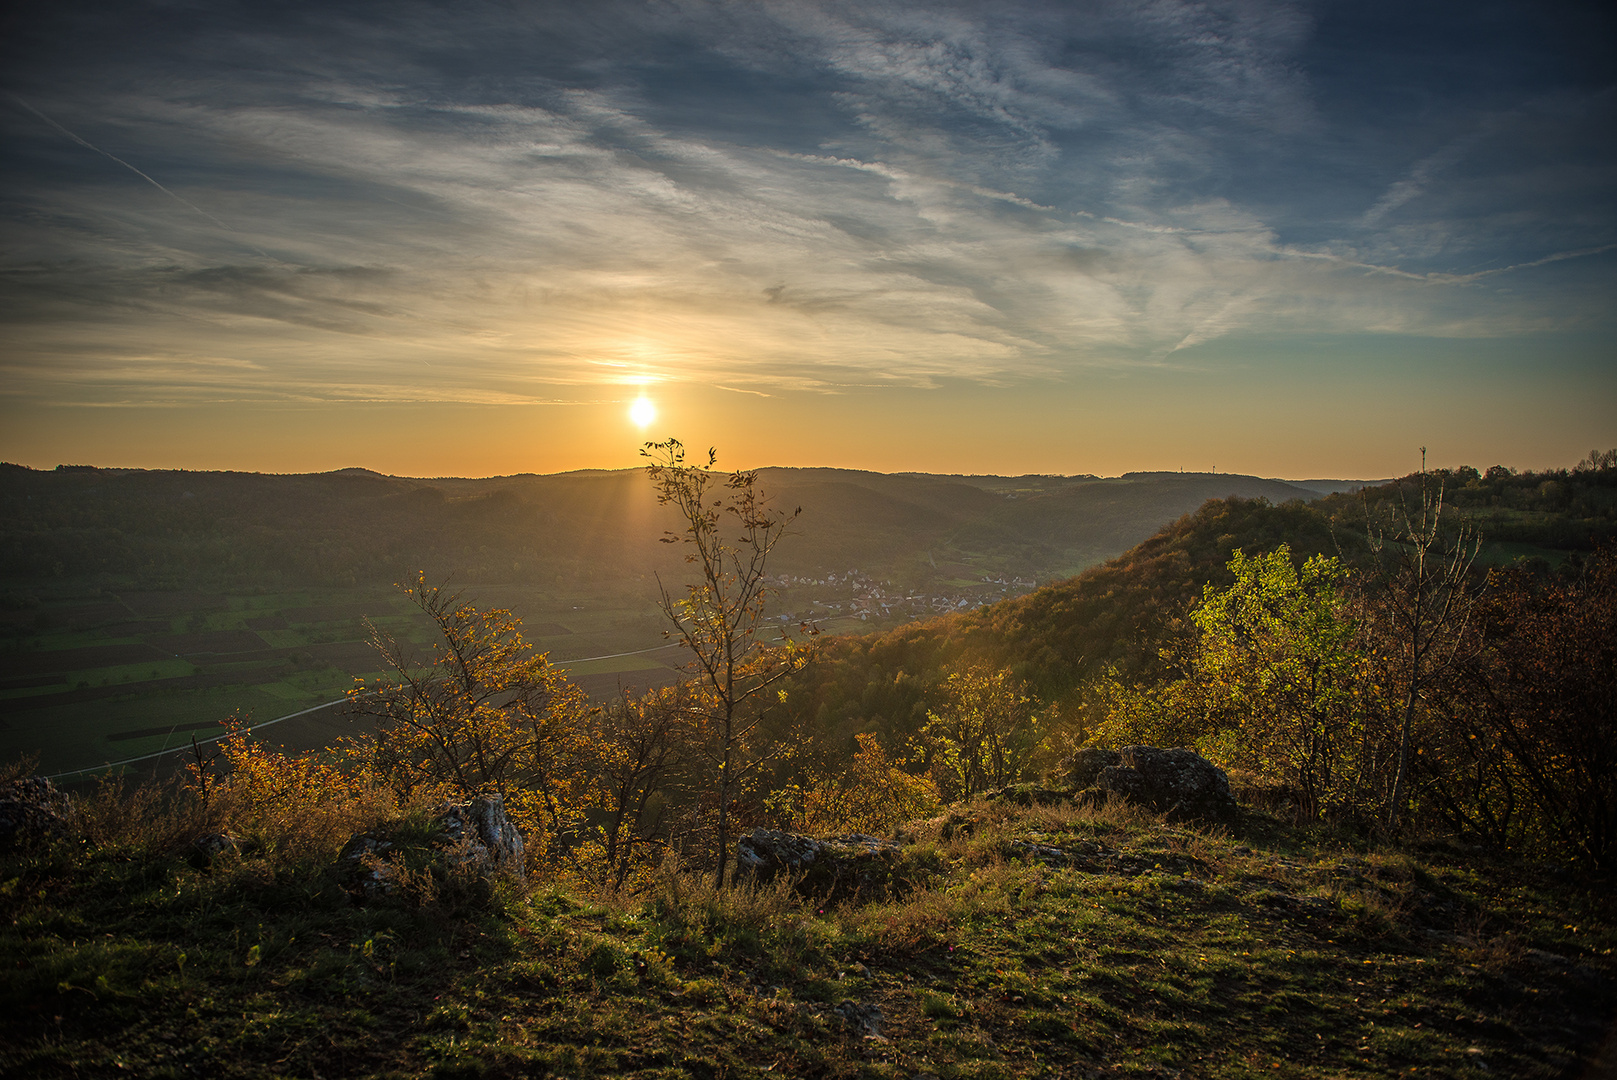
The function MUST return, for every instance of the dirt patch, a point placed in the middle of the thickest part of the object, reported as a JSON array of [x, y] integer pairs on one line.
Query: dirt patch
[[267, 622], [172, 729], [86, 616], [604, 687], [130, 689], [350, 655], [29, 682], [138, 628]]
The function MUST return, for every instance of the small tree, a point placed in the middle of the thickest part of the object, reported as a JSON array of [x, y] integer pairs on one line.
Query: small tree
[[1278, 666], [1531, 758], [1420, 609], [872, 795], [637, 743], [486, 714], [982, 735], [730, 531]]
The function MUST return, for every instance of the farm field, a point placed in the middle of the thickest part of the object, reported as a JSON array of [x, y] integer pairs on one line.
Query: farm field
[[102, 677]]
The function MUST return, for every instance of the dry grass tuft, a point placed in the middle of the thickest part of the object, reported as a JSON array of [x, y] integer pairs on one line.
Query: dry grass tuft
[[146, 816], [922, 919]]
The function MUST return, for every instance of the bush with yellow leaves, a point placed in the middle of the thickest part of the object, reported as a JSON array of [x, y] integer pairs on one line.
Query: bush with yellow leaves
[[873, 795]]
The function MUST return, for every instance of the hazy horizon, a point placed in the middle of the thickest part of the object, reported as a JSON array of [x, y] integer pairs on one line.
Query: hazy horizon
[[722, 466], [1272, 238]]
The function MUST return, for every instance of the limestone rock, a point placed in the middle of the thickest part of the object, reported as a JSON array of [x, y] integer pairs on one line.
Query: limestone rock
[[834, 869], [1083, 768], [364, 867], [474, 835], [1179, 783], [480, 828], [863, 1018], [32, 810]]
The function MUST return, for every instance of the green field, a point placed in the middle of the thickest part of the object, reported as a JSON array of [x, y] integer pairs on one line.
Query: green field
[[100, 676]]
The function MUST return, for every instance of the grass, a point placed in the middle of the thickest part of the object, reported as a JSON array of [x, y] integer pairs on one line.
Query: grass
[[1039, 942]]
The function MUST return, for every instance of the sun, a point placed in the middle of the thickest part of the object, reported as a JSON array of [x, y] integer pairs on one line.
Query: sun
[[642, 412]]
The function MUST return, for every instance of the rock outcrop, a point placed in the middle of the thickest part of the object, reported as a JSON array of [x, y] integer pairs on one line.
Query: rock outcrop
[[1178, 783], [474, 839], [32, 811], [480, 830], [833, 869], [1083, 768]]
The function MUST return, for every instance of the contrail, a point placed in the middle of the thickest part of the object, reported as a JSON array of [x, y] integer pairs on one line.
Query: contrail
[[114, 157]]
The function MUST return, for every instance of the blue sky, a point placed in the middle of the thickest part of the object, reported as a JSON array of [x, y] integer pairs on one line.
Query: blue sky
[[1293, 239]]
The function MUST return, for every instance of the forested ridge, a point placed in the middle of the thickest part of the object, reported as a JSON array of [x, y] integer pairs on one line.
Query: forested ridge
[[1117, 614], [1058, 635]]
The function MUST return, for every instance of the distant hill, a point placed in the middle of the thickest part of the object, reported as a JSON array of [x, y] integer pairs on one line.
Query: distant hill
[[1338, 487], [355, 527], [139, 606], [132, 601]]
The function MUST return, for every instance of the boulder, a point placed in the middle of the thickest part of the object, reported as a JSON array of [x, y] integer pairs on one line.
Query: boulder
[[1083, 768], [832, 869], [480, 829], [367, 865], [32, 811], [474, 836], [864, 1018], [1178, 783]]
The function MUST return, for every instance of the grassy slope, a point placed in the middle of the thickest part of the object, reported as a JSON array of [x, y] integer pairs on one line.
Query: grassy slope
[[1166, 951]]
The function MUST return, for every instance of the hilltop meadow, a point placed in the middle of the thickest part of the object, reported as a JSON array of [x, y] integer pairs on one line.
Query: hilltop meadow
[[1409, 689]]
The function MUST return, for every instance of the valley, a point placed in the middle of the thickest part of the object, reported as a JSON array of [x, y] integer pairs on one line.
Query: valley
[[140, 608]]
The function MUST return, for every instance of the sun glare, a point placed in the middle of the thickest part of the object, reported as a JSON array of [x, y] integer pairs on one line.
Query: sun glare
[[642, 412]]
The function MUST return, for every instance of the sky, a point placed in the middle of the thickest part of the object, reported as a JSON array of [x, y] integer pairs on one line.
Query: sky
[[1288, 239]]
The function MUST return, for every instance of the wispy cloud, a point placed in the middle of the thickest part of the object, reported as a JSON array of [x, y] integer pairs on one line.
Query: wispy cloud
[[759, 197]]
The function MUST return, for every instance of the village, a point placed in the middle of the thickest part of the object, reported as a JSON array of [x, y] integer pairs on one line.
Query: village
[[852, 594]]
